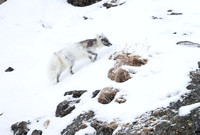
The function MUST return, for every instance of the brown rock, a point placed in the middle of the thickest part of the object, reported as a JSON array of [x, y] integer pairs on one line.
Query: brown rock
[[118, 75], [107, 95]]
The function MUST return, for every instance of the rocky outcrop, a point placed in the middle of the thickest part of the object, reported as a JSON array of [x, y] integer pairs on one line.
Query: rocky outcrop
[[87, 119], [82, 3], [168, 121], [78, 123]]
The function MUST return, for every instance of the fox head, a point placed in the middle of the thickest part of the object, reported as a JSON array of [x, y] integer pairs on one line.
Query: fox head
[[102, 39]]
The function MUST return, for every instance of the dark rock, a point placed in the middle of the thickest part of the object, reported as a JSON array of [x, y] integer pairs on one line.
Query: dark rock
[[10, 69], [154, 17], [82, 3], [37, 132], [188, 43], [20, 128], [95, 93], [103, 128], [173, 13], [78, 123], [2, 1], [112, 4], [167, 121], [75, 93], [107, 95], [199, 64], [65, 107]]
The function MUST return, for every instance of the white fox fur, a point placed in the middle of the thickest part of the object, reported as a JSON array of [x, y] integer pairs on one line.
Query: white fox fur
[[66, 57]]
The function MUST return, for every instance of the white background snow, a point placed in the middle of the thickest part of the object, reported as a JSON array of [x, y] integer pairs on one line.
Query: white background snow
[[30, 31]]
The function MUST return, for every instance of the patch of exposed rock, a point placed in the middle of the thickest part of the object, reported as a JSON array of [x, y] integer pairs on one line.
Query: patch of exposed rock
[[87, 119], [188, 43], [78, 123], [117, 73], [20, 128], [113, 3], [2, 1], [167, 121], [9, 69], [82, 3]]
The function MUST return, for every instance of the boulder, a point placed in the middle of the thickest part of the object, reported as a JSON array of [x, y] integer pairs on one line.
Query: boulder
[[2, 1], [107, 95], [82, 3], [65, 107], [118, 75], [20, 128], [9, 69], [75, 93], [36, 132], [95, 93]]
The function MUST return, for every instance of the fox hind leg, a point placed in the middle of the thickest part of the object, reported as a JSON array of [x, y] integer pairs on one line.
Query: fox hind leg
[[70, 59]]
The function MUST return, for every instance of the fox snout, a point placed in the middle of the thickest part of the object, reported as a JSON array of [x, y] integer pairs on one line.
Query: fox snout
[[106, 42]]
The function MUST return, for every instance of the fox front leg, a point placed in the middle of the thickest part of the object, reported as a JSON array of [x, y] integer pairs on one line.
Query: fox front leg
[[92, 54]]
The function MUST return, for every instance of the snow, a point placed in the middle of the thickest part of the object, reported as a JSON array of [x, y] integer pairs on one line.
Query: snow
[[32, 30], [185, 110]]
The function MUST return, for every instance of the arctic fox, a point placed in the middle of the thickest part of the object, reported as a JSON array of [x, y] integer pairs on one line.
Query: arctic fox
[[66, 57]]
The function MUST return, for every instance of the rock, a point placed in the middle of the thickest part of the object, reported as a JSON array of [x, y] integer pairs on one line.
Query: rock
[[95, 93], [103, 128], [166, 121], [65, 107], [107, 95], [78, 123], [46, 124], [9, 69], [129, 59], [20, 128], [75, 93], [154, 17], [118, 75], [37, 132], [122, 75], [121, 99], [199, 64], [173, 13], [82, 3], [112, 3], [2, 1], [188, 43]]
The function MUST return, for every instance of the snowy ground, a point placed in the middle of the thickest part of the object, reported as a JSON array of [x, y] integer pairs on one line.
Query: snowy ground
[[30, 31]]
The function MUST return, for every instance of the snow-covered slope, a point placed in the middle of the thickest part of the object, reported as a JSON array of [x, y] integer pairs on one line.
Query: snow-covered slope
[[30, 31]]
